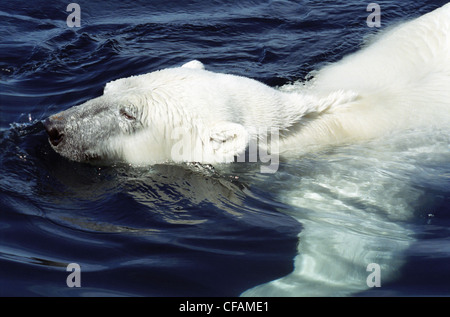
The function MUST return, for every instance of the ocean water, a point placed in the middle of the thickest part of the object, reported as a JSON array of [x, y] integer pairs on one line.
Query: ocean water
[[193, 230]]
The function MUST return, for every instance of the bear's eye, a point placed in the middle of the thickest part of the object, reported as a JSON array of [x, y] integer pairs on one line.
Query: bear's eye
[[127, 114]]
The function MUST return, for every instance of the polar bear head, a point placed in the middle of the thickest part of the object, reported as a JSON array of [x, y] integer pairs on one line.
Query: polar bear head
[[168, 115]]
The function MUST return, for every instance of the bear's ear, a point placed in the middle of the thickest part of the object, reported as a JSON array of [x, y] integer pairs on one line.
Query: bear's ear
[[228, 139], [195, 64]]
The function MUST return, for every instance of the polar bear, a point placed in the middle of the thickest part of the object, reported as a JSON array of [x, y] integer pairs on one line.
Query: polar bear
[[398, 81], [188, 113]]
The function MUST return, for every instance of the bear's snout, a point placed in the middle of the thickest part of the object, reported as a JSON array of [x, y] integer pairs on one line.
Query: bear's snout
[[54, 130]]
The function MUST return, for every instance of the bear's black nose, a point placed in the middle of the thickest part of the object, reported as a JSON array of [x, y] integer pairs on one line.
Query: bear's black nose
[[54, 130]]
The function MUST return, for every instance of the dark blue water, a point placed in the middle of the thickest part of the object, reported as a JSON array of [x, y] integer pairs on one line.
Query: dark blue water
[[166, 230]]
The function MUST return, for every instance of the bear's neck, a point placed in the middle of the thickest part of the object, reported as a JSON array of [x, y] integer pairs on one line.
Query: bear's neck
[[296, 109]]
